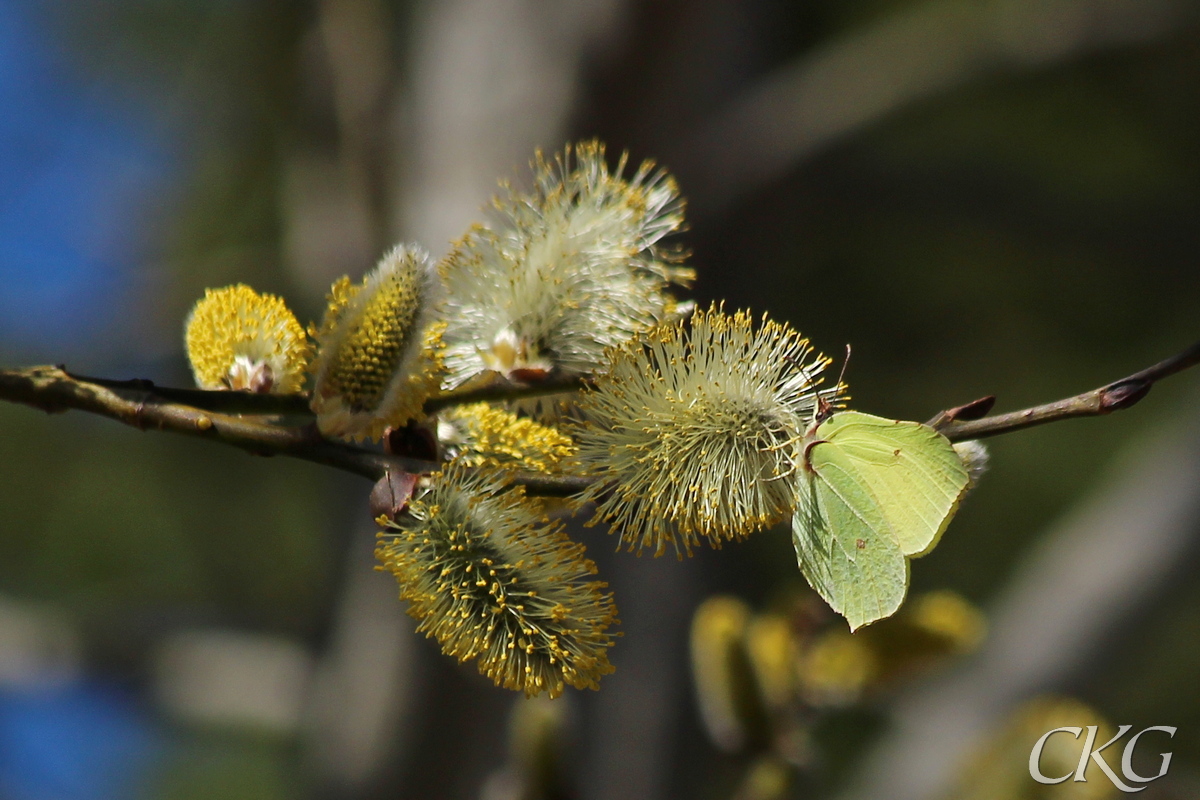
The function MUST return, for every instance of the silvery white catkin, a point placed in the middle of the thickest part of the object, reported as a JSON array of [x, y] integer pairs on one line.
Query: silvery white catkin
[[975, 456]]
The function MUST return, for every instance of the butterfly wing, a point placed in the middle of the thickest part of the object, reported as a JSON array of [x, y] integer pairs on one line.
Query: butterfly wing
[[911, 470], [844, 541]]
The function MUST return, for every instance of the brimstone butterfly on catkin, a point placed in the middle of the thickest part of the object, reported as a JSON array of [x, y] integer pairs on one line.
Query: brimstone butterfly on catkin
[[872, 493]]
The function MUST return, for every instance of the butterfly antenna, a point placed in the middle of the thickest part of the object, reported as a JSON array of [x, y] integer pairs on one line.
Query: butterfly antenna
[[842, 374], [808, 379], [823, 408]]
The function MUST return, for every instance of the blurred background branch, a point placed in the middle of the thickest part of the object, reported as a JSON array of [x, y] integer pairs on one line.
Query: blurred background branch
[[903, 59]]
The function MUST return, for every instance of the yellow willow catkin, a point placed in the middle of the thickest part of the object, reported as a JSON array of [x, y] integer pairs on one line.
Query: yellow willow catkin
[[480, 434], [239, 339], [565, 271], [493, 580], [379, 353], [691, 432]]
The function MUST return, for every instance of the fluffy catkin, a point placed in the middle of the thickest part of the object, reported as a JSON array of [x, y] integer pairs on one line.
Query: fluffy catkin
[[239, 339], [493, 580], [379, 353], [691, 432], [565, 271]]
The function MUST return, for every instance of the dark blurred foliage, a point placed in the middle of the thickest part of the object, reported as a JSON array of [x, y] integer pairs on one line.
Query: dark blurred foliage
[[1028, 235]]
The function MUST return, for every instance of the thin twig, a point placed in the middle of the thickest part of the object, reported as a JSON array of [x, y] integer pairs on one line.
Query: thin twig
[[543, 485], [297, 405], [502, 389], [1112, 397]]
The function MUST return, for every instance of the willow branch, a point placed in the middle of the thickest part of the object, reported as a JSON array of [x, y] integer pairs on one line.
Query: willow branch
[[497, 390], [143, 406], [203, 399], [195, 413], [958, 425]]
